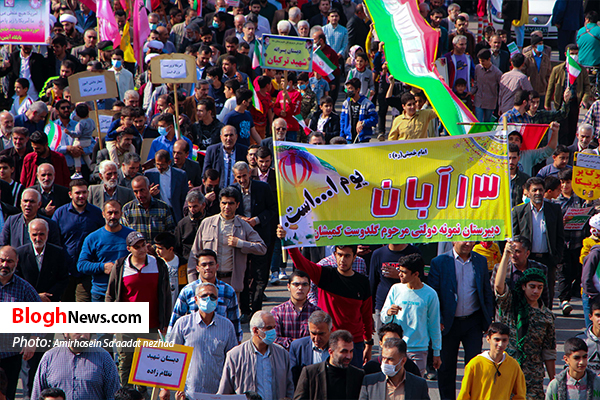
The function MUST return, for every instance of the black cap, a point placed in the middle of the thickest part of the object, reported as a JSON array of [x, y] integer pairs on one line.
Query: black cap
[[536, 39]]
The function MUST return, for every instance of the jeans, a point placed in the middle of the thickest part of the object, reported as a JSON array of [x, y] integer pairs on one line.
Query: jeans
[[483, 114], [277, 263], [585, 301], [357, 357], [520, 34]]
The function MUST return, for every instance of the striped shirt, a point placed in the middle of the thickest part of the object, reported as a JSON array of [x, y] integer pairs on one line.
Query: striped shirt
[[89, 375], [227, 304], [211, 343], [291, 324], [337, 38], [156, 219]]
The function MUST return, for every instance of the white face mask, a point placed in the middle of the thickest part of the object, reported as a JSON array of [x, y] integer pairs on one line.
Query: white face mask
[[575, 57], [389, 369]]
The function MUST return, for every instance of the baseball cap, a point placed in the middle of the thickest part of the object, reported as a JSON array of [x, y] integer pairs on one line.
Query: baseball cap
[[133, 238]]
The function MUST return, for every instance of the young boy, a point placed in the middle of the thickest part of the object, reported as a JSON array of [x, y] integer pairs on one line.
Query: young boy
[[21, 100], [552, 187], [326, 120], [493, 374], [415, 306], [128, 115], [576, 381], [460, 90], [560, 158], [364, 74], [592, 337], [229, 88], [164, 244], [82, 136], [241, 119], [7, 168]]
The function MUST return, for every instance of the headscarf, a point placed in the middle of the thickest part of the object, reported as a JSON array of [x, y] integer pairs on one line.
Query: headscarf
[[521, 308]]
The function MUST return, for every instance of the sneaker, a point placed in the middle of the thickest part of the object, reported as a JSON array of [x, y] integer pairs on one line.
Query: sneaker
[[566, 308], [282, 275], [76, 175], [274, 279]]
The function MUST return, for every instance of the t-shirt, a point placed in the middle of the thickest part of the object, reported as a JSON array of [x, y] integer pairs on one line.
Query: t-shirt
[[218, 96], [462, 68], [243, 123], [354, 114]]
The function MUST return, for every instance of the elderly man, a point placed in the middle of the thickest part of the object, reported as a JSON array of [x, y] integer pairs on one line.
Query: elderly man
[[14, 231], [210, 334], [258, 364], [145, 214], [167, 183], [585, 134], [130, 168], [53, 196], [96, 364], [279, 128], [109, 188], [222, 156], [7, 123], [34, 118], [181, 151], [131, 98], [311, 349], [90, 39], [231, 237], [43, 265], [77, 220], [13, 289], [42, 154]]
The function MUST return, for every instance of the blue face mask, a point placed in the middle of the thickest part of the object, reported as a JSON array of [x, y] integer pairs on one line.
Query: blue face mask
[[302, 87], [162, 131], [117, 63], [153, 26], [540, 48], [215, 24], [270, 337], [223, 9], [207, 305]]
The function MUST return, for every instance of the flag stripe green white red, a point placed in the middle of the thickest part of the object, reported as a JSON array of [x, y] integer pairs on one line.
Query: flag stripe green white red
[[573, 69], [532, 133], [255, 100], [410, 50], [323, 65], [55, 135], [300, 120]]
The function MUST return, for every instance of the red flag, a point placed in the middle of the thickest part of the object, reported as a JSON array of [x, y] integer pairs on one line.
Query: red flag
[[91, 4], [532, 133], [141, 29]]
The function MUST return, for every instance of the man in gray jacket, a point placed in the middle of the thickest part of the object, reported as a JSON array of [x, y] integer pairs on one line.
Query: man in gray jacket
[[258, 365]]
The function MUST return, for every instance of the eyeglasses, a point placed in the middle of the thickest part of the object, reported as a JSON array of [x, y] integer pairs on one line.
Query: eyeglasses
[[64, 108], [281, 129], [211, 296]]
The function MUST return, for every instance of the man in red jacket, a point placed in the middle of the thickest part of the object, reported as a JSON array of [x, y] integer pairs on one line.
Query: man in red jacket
[[343, 294], [42, 154]]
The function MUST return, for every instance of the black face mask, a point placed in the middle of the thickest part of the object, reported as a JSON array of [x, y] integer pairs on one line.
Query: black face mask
[[350, 93]]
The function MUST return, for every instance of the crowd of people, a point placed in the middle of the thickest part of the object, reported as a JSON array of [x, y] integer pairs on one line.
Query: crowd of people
[[191, 228]]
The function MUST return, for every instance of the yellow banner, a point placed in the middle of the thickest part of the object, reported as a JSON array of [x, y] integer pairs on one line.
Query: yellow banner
[[448, 189], [586, 176], [289, 53]]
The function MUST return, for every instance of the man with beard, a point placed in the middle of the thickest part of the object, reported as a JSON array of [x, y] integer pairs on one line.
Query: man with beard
[[517, 178], [77, 220], [73, 36], [181, 151], [109, 188], [7, 123], [541, 222], [95, 364], [342, 380], [53, 196]]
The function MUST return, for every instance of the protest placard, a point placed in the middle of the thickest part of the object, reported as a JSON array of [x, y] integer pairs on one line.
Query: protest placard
[[173, 68], [89, 86], [586, 176], [576, 218], [165, 366], [105, 118], [25, 22], [287, 53], [450, 189]]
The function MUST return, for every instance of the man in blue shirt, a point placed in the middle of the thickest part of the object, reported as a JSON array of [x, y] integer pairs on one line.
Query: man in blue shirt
[[77, 220], [167, 138], [34, 118]]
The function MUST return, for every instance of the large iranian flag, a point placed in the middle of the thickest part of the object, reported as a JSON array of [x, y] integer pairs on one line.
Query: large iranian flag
[[323, 65]]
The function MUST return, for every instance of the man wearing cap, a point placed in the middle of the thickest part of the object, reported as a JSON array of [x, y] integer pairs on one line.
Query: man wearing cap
[[538, 66], [139, 277], [105, 50], [74, 37]]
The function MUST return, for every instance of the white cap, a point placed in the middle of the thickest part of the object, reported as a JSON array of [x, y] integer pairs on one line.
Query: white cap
[[595, 221], [150, 57], [155, 44], [68, 18]]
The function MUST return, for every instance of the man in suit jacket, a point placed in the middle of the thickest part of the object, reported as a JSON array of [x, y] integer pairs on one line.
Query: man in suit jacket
[[312, 384], [461, 280], [500, 57], [358, 30], [311, 349], [53, 196], [279, 127], [263, 209], [263, 172], [585, 134], [181, 150], [14, 231], [393, 358], [109, 188], [222, 156], [541, 222], [37, 65], [168, 184]]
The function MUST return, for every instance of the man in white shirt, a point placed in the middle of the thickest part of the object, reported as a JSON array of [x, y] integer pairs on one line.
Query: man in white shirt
[[124, 77]]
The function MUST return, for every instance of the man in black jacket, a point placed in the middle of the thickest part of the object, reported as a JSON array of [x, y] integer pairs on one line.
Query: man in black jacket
[[35, 69], [222, 156]]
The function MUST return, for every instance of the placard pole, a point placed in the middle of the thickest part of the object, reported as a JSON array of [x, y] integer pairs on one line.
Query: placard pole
[[177, 131], [98, 124], [155, 392]]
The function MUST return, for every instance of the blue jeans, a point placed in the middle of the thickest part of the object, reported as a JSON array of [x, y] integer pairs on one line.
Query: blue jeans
[[520, 34], [585, 301], [277, 260], [101, 337], [357, 357], [483, 114]]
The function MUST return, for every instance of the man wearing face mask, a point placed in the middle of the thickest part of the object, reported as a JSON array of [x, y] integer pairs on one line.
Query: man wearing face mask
[[123, 76], [202, 329], [342, 380], [538, 66], [102, 380], [167, 139], [393, 380], [271, 376], [109, 189]]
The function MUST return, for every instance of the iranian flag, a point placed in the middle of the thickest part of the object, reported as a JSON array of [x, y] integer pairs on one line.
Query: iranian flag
[[323, 65], [55, 135], [255, 100], [300, 120], [532, 133], [573, 69], [256, 54]]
